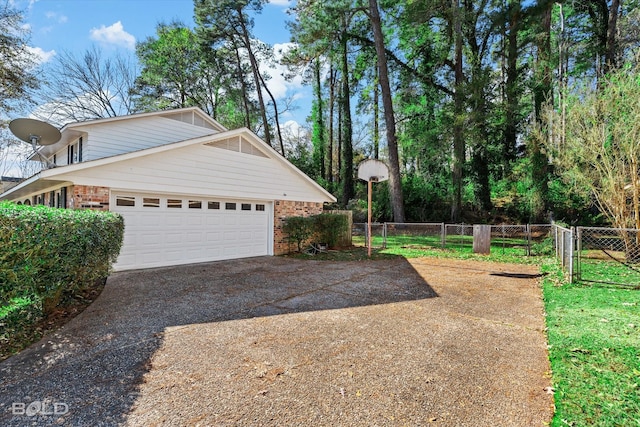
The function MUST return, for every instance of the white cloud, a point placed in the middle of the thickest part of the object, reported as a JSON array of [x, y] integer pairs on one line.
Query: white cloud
[[277, 84], [40, 55], [114, 35], [280, 2], [61, 19]]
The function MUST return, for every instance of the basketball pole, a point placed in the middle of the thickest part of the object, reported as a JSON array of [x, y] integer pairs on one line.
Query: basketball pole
[[369, 188]]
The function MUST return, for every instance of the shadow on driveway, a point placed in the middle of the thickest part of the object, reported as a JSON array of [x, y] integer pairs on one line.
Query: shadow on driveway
[[91, 371]]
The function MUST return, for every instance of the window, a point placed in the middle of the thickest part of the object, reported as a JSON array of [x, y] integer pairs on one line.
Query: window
[[123, 201], [230, 206], [246, 206], [195, 204], [80, 149], [174, 203], [260, 208], [70, 154], [63, 198], [213, 205], [151, 202]]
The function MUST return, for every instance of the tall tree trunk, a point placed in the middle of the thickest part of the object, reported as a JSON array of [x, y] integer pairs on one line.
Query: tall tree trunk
[[543, 95], [511, 90], [347, 130], [376, 119], [256, 74], [611, 55], [395, 180], [332, 101], [276, 115], [340, 135], [319, 120], [458, 110], [245, 90]]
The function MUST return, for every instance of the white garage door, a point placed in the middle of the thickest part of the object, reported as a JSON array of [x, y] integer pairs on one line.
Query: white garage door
[[165, 230]]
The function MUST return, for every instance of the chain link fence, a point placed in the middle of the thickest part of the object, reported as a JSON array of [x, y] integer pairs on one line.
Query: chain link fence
[[525, 239], [589, 254], [608, 255]]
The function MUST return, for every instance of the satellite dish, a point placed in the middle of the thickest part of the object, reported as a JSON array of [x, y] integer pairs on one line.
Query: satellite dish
[[373, 170], [35, 131]]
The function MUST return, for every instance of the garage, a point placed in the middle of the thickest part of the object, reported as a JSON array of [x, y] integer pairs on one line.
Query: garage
[[164, 229], [189, 189]]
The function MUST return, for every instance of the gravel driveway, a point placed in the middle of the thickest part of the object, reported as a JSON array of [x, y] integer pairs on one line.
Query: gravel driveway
[[274, 341]]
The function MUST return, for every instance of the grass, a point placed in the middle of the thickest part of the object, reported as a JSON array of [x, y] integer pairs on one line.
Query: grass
[[594, 349], [460, 247], [609, 271]]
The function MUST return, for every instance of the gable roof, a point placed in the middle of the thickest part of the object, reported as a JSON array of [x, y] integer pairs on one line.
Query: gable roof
[[73, 131], [64, 174]]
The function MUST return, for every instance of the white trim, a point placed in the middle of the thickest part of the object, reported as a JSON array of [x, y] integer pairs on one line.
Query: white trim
[[196, 110]]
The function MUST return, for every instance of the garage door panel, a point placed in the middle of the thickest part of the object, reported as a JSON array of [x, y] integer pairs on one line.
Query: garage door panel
[[194, 238], [173, 220], [158, 235], [173, 238], [195, 219]]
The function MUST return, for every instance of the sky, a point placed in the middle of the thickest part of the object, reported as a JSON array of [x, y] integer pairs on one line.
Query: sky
[[116, 25]]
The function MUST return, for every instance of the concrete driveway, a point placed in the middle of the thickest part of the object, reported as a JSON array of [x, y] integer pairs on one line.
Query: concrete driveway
[[276, 341]]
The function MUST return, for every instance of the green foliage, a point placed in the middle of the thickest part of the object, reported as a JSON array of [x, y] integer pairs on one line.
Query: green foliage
[[298, 229], [601, 149], [172, 71], [323, 228], [47, 252], [330, 228]]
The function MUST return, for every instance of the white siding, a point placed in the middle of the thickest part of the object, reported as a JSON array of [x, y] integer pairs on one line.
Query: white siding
[[202, 170], [113, 138]]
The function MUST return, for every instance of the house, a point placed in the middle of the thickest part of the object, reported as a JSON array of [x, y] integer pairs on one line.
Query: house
[[6, 182], [189, 189]]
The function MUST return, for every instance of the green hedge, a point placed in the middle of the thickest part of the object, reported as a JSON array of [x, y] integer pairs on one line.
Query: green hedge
[[323, 228], [45, 252]]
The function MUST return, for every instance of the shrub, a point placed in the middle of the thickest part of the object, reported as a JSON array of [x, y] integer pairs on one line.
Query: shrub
[[46, 252], [298, 229], [323, 228], [329, 228]]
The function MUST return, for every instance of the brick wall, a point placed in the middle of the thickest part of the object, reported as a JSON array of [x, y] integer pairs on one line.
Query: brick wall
[[284, 209], [88, 197]]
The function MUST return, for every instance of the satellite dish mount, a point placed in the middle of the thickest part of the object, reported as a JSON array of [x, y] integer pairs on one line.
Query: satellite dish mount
[[371, 170], [37, 133]]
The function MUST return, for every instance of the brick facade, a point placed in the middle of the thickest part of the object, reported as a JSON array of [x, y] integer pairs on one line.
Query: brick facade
[[88, 197], [283, 209]]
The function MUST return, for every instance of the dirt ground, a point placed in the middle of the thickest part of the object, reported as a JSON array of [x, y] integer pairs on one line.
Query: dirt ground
[[276, 341]]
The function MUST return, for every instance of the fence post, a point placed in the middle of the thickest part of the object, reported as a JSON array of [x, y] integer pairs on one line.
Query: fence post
[[384, 236], [528, 231], [482, 239], [443, 234], [579, 253], [571, 253]]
